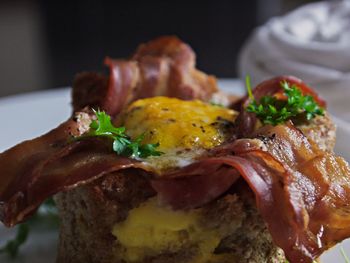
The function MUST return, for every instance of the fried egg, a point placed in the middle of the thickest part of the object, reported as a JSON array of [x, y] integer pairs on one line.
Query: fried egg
[[184, 130]]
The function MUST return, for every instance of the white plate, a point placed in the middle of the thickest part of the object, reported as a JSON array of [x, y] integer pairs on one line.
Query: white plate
[[30, 115]]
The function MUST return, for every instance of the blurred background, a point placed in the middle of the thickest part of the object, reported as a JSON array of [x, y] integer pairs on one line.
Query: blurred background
[[44, 43]]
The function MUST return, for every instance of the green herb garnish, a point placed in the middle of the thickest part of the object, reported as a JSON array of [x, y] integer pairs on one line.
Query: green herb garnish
[[274, 111], [122, 144], [346, 258], [12, 246], [216, 104], [46, 216]]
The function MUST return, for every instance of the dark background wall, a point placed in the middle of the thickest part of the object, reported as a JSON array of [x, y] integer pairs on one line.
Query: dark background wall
[[44, 43], [91, 30]]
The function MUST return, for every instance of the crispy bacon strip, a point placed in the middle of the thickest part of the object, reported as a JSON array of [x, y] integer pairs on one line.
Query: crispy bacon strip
[[57, 166], [315, 190], [177, 75], [162, 67], [302, 193], [37, 169], [196, 184], [311, 197]]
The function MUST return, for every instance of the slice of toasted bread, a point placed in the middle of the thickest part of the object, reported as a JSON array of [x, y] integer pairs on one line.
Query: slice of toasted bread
[[90, 212]]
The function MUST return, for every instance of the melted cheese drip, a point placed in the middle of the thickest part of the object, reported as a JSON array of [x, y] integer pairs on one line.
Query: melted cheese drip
[[176, 124], [150, 230]]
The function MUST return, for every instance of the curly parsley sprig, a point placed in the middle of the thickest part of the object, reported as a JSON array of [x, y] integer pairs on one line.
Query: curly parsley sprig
[[46, 215], [274, 111], [122, 144], [345, 256], [12, 246]]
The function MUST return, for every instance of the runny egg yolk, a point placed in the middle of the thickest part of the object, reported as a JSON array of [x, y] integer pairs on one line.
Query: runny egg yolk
[[151, 229], [175, 123]]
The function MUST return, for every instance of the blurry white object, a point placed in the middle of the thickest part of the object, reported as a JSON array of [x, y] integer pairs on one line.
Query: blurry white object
[[312, 43]]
